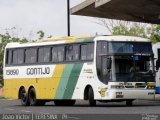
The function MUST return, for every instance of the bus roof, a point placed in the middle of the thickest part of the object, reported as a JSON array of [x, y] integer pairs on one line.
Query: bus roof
[[123, 38], [77, 39]]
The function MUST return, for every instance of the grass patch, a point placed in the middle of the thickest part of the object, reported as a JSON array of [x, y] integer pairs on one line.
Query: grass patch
[[1, 97]]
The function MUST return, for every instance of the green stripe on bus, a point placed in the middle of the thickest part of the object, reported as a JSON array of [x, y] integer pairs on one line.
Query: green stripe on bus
[[72, 81], [63, 81], [85, 39]]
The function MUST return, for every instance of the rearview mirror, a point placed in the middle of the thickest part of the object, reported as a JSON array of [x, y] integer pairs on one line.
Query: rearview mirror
[[109, 62]]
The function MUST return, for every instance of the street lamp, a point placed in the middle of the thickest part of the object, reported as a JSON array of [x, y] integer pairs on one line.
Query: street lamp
[[68, 17]]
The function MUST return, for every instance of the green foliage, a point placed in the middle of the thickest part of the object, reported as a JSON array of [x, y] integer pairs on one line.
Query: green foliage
[[152, 32], [155, 33], [134, 30], [41, 34]]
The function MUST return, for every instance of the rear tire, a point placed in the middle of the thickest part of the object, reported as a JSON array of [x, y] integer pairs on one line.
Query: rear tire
[[92, 102], [24, 97], [32, 97]]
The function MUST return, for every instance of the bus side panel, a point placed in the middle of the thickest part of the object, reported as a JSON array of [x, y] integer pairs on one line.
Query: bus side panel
[[47, 87], [12, 86], [70, 87], [63, 81]]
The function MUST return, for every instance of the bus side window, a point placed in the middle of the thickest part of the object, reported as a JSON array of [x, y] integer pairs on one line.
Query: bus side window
[[40, 55], [83, 52], [20, 56], [9, 57], [76, 51], [72, 52], [31, 55], [54, 54], [69, 49], [60, 53], [90, 51], [15, 57], [44, 55], [87, 51], [47, 55]]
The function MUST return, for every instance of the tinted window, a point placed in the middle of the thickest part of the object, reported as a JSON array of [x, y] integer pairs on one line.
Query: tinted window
[[54, 54], [87, 52], [102, 48], [15, 55], [58, 54], [116, 47], [44, 55], [9, 57], [90, 51], [20, 56], [72, 52], [31, 55], [83, 52]]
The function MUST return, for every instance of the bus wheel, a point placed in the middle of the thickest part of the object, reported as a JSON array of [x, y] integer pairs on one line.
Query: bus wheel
[[32, 97], [129, 102], [24, 97], [92, 102]]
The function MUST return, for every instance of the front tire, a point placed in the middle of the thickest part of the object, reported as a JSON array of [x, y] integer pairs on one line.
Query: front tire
[[24, 97], [92, 102]]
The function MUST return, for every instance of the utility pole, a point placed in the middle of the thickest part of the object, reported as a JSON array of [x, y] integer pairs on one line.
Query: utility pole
[[68, 17]]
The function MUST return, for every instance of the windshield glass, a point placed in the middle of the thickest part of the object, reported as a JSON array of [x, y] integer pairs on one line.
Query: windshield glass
[[132, 68], [124, 61], [124, 47]]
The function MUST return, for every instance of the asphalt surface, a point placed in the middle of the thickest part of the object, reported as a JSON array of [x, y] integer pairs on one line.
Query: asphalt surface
[[149, 110]]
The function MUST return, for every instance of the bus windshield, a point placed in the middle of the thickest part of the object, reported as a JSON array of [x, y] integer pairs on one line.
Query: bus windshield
[[128, 61], [132, 68], [126, 47]]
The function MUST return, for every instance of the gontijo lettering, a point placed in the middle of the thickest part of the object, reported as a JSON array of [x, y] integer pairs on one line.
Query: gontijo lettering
[[38, 71]]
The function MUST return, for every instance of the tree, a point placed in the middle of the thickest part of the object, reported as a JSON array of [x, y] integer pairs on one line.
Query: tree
[[155, 33], [135, 30], [119, 27], [41, 34]]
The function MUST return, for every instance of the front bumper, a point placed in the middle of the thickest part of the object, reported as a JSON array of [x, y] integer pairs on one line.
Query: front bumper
[[114, 94]]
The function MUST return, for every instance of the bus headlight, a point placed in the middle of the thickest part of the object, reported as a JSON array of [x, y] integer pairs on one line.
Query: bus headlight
[[151, 85]]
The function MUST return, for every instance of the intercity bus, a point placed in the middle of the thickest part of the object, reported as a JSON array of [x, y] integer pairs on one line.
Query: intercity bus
[[101, 68]]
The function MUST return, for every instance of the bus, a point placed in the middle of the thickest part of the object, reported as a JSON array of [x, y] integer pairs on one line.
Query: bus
[[101, 68], [156, 51]]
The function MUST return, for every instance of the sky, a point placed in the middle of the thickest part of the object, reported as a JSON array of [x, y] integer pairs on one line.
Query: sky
[[23, 18]]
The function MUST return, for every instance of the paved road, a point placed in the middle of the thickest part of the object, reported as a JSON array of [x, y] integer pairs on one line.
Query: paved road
[[81, 110]]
